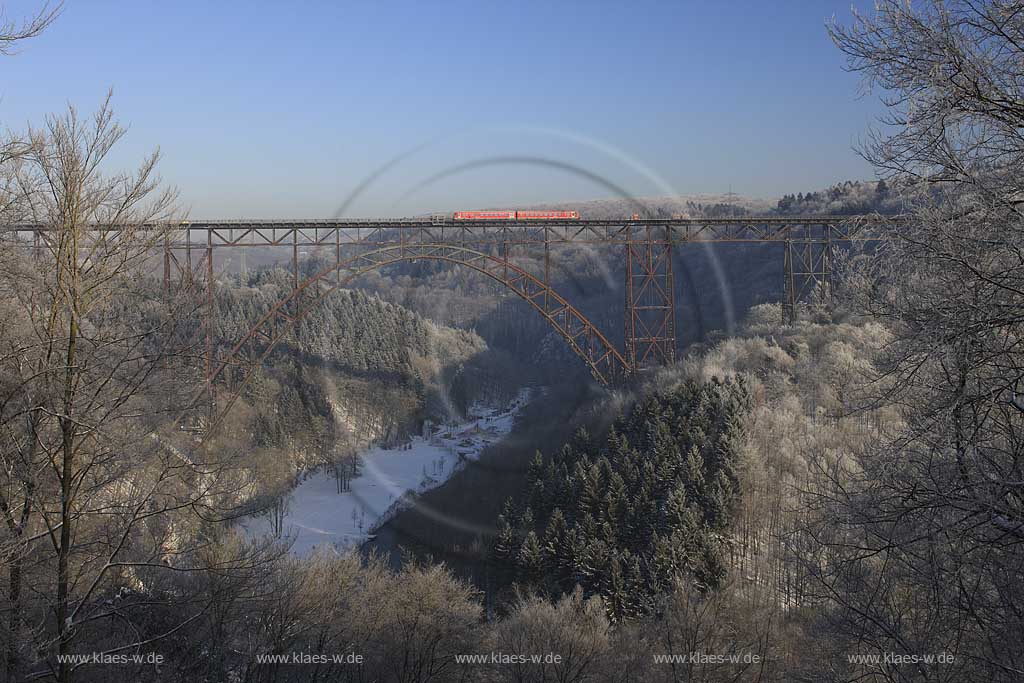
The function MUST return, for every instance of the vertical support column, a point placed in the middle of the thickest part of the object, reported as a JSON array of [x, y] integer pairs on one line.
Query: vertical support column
[[167, 268], [650, 300], [296, 304], [807, 271], [337, 254], [188, 256], [629, 333], [547, 268], [504, 252], [670, 300], [209, 324], [826, 267], [788, 289], [295, 258]]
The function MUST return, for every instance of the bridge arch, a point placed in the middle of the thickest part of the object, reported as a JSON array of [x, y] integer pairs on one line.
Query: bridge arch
[[604, 360]]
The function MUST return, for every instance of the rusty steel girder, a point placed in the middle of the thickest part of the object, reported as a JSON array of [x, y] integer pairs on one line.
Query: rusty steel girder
[[807, 274], [436, 230], [359, 246], [650, 318]]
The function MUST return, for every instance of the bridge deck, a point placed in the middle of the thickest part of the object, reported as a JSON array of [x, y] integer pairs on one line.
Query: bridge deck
[[327, 232]]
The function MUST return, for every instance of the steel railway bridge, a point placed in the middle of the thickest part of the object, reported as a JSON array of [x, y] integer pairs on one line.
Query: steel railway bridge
[[351, 248]]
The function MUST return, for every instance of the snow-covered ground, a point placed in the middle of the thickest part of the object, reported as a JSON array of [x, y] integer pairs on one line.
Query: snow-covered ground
[[387, 482]]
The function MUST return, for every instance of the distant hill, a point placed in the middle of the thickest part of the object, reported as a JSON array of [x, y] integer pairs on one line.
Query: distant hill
[[849, 197], [852, 197]]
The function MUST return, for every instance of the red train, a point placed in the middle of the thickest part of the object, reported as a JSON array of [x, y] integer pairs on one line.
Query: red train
[[516, 215]]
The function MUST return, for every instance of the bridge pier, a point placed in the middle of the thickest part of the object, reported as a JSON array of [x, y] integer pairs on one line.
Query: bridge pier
[[650, 319], [806, 271]]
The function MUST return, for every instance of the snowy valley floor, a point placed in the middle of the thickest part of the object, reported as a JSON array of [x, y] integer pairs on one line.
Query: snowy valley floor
[[388, 480]]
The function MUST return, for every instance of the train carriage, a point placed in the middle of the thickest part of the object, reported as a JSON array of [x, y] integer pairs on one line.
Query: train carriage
[[485, 215], [516, 215], [547, 215]]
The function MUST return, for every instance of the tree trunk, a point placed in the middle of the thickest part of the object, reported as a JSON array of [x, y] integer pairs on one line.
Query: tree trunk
[[67, 424], [14, 621]]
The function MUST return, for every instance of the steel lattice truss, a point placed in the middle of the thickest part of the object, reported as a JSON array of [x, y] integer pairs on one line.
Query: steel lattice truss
[[650, 320], [237, 233], [354, 247], [807, 270], [266, 233]]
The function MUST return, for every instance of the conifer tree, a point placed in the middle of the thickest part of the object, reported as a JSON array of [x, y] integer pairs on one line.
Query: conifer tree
[[530, 562], [641, 517], [554, 540], [719, 501], [616, 596]]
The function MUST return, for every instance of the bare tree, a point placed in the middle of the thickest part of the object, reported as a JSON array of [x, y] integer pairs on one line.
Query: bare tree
[[575, 630], [926, 531], [101, 506], [13, 31]]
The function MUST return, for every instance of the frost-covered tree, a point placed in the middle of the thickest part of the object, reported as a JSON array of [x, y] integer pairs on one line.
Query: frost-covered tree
[[928, 544]]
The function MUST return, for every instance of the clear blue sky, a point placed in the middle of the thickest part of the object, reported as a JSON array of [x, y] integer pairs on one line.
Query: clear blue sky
[[282, 108]]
